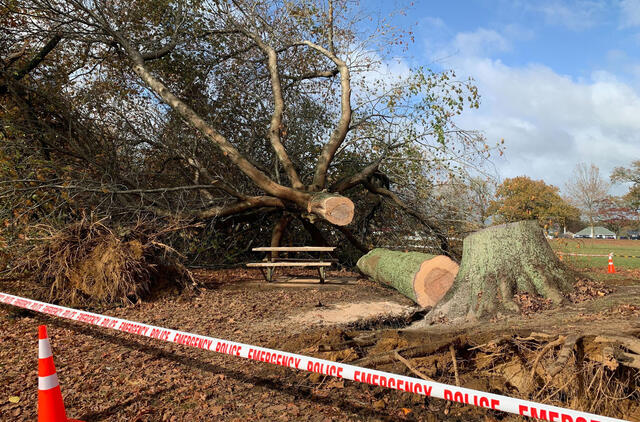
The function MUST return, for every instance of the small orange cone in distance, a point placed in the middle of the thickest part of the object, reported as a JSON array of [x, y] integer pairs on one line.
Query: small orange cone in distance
[[610, 268], [50, 404]]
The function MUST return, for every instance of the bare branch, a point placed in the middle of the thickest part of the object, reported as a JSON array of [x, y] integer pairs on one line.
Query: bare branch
[[356, 179], [161, 52], [278, 110], [340, 132], [332, 47], [444, 242], [249, 203]]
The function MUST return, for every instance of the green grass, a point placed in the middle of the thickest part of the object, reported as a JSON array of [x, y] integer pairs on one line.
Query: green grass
[[599, 247]]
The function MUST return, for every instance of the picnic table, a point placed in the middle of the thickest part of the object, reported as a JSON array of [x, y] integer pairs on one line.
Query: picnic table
[[273, 260]]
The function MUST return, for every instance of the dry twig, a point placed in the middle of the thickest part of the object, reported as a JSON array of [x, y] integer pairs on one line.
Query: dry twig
[[411, 367], [455, 363]]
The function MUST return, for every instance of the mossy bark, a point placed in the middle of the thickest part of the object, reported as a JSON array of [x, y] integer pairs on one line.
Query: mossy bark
[[394, 268], [499, 262], [421, 277]]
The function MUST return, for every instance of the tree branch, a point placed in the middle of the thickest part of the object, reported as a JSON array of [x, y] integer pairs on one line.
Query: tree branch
[[38, 58], [340, 132], [249, 203], [258, 177], [356, 179], [161, 52], [444, 242], [278, 110]]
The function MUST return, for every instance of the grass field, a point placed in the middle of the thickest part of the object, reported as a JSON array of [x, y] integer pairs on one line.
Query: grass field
[[599, 247]]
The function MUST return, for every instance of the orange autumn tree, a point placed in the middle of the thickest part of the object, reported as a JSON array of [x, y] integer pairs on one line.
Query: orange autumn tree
[[521, 198]]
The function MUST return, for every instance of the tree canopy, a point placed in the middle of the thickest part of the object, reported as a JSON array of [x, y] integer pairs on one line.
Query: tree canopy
[[521, 198], [242, 110], [629, 175]]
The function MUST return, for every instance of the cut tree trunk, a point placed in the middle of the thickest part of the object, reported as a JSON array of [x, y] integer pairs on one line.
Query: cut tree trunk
[[499, 262], [421, 277], [334, 208], [278, 231]]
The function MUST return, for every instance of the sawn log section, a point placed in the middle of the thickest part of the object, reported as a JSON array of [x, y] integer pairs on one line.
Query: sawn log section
[[272, 260], [421, 277]]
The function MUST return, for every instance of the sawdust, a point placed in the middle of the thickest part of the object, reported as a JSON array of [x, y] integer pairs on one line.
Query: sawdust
[[347, 313]]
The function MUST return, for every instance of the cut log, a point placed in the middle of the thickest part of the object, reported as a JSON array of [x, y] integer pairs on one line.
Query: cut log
[[334, 208], [421, 277], [499, 262]]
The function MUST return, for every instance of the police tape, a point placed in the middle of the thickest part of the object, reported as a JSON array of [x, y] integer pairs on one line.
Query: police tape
[[320, 366], [603, 256], [580, 254]]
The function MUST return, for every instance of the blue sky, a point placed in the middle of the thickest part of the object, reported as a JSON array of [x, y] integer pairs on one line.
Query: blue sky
[[560, 80]]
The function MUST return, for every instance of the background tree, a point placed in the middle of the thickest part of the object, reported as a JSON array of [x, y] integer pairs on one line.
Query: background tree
[[586, 190], [521, 198], [629, 175], [616, 214]]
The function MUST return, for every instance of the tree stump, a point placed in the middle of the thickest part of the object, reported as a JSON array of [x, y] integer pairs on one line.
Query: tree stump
[[421, 277], [497, 263]]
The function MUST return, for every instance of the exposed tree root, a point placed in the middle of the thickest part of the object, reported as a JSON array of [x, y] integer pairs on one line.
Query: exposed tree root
[[411, 367], [631, 343], [594, 372], [543, 351], [564, 355]]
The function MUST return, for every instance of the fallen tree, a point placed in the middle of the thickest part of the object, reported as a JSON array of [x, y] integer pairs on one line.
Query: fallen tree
[[290, 131], [499, 262], [421, 277]]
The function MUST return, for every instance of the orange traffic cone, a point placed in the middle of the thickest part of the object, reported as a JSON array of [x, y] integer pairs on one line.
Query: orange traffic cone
[[611, 269], [50, 404]]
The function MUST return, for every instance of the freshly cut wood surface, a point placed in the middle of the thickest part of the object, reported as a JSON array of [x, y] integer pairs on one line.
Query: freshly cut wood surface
[[294, 249], [421, 277], [434, 279], [289, 264], [334, 208]]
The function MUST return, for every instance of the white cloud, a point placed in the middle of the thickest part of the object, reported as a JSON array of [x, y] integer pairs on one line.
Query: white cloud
[[549, 121], [431, 22], [629, 13], [482, 42], [576, 15]]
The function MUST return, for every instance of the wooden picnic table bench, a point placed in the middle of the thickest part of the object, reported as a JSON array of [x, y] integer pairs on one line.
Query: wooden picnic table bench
[[271, 261]]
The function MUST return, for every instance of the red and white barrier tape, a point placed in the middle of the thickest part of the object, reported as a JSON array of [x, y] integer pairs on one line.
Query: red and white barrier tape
[[580, 254], [320, 366]]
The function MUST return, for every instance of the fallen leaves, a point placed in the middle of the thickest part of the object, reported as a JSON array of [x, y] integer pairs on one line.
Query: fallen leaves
[[530, 303], [588, 289]]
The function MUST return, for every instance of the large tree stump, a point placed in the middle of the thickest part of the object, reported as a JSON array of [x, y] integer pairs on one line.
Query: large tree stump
[[499, 262], [421, 277], [334, 208]]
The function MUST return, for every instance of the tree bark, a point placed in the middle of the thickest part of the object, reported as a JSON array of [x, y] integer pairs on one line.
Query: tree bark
[[497, 263], [278, 231], [423, 278]]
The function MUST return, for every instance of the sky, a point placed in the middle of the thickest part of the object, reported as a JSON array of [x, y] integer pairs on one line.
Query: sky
[[559, 80]]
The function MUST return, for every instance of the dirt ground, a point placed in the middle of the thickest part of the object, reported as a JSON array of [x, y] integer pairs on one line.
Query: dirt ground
[[113, 376]]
